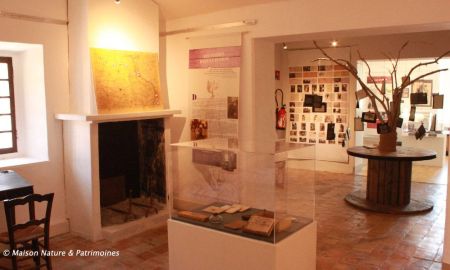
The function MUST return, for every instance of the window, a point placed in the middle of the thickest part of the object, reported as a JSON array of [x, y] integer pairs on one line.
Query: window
[[8, 139]]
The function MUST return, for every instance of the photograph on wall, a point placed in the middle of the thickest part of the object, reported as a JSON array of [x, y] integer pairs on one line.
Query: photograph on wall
[[294, 125], [321, 109], [232, 107], [318, 118], [421, 92], [405, 93], [321, 88], [322, 127], [438, 101], [359, 125], [199, 129], [305, 118]]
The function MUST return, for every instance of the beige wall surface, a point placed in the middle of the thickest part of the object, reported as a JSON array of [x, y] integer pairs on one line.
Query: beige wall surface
[[54, 9], [47, 176]]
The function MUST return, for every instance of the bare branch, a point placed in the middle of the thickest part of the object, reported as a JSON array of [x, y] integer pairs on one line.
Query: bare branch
[[370, 71], [435, 61], [352, 69], [426, 74], [398, 59], [392, 80]]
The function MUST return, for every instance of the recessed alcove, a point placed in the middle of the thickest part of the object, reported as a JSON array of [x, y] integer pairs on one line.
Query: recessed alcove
[[30, 103]]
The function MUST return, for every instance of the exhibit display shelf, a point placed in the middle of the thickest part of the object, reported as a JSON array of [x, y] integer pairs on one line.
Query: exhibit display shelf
[[234, 196]]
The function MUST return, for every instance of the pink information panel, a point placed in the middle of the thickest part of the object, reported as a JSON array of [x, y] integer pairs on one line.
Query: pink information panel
[[224, 57]]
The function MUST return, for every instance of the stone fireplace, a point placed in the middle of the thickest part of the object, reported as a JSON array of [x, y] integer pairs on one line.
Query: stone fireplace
[[111, 159]]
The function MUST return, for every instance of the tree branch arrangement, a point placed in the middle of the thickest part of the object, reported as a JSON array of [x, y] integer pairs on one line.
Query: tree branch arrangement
[[380, 101]]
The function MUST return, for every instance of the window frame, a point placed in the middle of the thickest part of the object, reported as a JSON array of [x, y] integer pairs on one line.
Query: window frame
[[8, 60]]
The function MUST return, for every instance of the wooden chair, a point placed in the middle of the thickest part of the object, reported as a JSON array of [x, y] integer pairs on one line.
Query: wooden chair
[[26, 236]]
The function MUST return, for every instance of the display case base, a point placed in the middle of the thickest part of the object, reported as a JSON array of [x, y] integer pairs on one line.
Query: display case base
[[193, 247]]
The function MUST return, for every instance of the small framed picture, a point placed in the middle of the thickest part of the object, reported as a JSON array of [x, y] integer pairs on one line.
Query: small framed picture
[[412, 113], [359, 126], [421, 93], [309, 101], [405, 93], [369, 117], [321, 109], [317, 101], [438, 101], [399, 123]]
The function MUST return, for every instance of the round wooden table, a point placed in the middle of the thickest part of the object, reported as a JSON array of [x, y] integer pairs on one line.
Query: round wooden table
[[389, 180]]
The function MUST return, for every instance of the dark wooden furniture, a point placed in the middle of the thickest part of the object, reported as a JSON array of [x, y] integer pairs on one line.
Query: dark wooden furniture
[[26, 236], [389, 180], [13, 185]]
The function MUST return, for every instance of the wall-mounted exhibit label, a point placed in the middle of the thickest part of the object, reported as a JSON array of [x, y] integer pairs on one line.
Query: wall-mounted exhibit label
[[224, 57], [214, 74]]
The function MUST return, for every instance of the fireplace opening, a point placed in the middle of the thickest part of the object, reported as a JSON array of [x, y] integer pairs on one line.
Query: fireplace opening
[[132, 170]]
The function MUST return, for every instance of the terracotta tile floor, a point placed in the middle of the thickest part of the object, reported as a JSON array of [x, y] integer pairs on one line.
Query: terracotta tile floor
[[352, 239], [347, 238]]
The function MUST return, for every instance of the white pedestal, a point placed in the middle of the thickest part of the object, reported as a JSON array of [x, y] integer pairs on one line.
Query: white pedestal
[[197, 248]]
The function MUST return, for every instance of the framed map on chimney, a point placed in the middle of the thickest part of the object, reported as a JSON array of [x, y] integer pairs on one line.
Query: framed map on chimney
[[125, 81]]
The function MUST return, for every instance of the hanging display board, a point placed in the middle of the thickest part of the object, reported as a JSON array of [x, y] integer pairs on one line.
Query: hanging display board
[[319, 98], [319, 109], [214, 72]]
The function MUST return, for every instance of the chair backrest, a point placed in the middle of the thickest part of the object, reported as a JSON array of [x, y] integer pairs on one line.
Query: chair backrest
[[10, 212]]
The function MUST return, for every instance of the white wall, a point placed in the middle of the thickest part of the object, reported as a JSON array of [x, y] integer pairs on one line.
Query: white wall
[[130, 25], [47, 176], [299, 19]]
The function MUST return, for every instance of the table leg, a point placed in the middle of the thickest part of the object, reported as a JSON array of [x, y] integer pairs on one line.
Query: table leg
[[388, 189], [389, 182]]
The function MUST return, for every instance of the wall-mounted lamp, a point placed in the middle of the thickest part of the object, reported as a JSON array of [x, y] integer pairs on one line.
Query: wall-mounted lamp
[[285, 46], [117, 1], [334, 43]]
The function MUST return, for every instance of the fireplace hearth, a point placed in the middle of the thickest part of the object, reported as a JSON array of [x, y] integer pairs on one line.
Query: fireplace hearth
[[132, 170]]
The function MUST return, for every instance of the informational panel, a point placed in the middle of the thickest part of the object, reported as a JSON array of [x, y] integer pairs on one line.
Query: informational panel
[[318, 109], [125, 81], [214, 72]]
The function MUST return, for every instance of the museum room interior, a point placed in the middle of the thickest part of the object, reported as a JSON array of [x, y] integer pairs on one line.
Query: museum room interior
[[251, 134]]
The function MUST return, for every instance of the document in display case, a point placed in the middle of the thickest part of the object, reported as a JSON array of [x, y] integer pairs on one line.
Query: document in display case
[[242, 191]]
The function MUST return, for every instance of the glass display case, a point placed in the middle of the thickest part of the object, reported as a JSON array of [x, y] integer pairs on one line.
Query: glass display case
[[257, 190]]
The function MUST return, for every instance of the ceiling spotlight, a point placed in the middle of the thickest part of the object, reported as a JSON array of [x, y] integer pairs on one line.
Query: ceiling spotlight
[[284, 46], [117, 1], [334, 43]]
